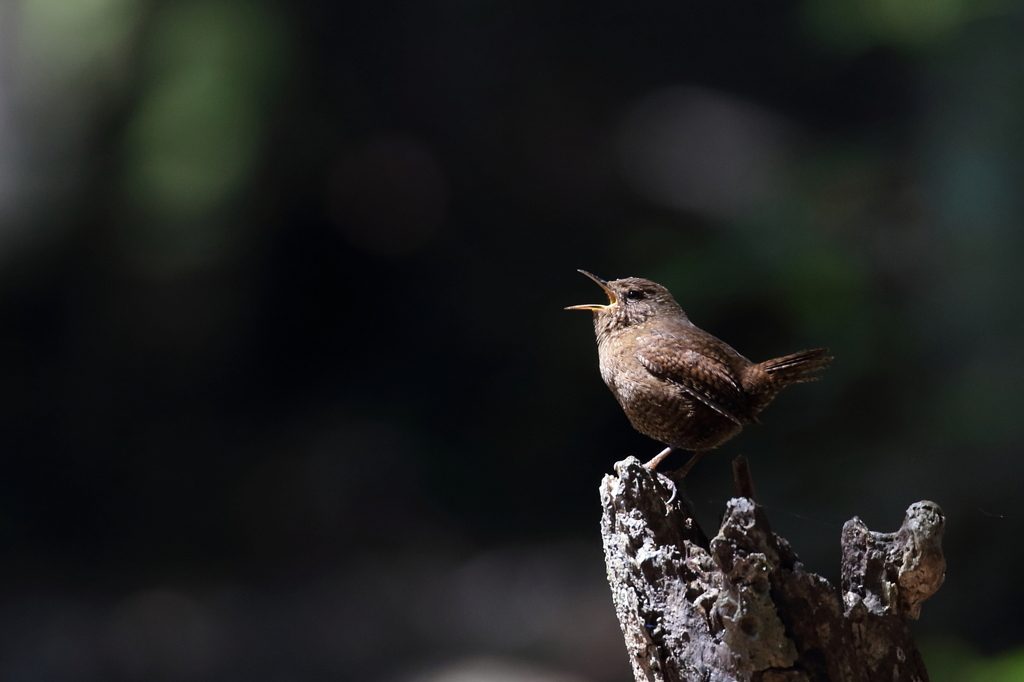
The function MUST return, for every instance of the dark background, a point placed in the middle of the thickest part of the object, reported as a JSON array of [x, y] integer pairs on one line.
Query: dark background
[[288, 391]]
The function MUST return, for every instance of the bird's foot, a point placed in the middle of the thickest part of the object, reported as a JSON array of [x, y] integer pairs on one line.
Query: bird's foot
[[675, 490], [681, 473], [677, 476], [657, 459]]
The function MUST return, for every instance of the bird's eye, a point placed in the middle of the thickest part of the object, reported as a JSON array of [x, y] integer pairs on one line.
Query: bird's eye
[[634, 294]]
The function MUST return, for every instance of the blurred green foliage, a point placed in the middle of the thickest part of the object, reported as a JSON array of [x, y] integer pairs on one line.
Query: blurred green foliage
[[953, 660], [66, 44], [857, 24], [196, 136]]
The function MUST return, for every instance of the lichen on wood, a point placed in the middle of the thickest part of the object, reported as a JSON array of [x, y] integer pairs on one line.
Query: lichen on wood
[[741, 606]]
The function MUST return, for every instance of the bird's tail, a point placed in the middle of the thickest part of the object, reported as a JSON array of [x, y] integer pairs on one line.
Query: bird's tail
[[798, 367]]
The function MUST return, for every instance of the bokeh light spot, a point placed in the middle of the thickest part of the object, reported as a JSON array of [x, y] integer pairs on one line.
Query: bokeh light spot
[[60, 41], [164, 634], [692, 149]]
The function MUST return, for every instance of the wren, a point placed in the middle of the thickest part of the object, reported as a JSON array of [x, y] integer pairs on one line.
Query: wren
[[677, 383]]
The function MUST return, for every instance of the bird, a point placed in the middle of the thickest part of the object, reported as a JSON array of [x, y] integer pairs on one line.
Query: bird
[[677, 383]]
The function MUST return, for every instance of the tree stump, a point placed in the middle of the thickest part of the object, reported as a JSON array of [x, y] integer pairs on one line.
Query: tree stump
[[741, 606]]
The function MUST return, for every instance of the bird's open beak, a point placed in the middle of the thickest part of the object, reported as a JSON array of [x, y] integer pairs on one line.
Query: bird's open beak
[[612, 298]]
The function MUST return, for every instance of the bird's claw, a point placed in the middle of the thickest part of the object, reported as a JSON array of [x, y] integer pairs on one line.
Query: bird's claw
[[675, 491]]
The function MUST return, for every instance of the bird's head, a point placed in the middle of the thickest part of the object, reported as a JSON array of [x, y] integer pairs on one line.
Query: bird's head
[[631, 301]]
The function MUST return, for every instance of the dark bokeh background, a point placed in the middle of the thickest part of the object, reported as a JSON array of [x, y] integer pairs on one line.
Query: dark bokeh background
[[287, 388]]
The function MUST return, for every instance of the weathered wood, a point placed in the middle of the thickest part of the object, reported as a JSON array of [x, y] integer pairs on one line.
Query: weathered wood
[[741, 606]]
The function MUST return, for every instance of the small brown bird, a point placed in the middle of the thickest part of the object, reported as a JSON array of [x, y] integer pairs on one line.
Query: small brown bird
[[677, 383]]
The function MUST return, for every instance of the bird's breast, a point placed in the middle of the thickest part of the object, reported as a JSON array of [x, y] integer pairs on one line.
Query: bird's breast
[[619, 364]]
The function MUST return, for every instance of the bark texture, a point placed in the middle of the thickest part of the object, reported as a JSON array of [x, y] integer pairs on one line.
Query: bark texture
[[741, 606]]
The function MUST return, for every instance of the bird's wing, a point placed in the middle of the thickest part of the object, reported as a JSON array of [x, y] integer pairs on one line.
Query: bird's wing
[[710, 380]]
